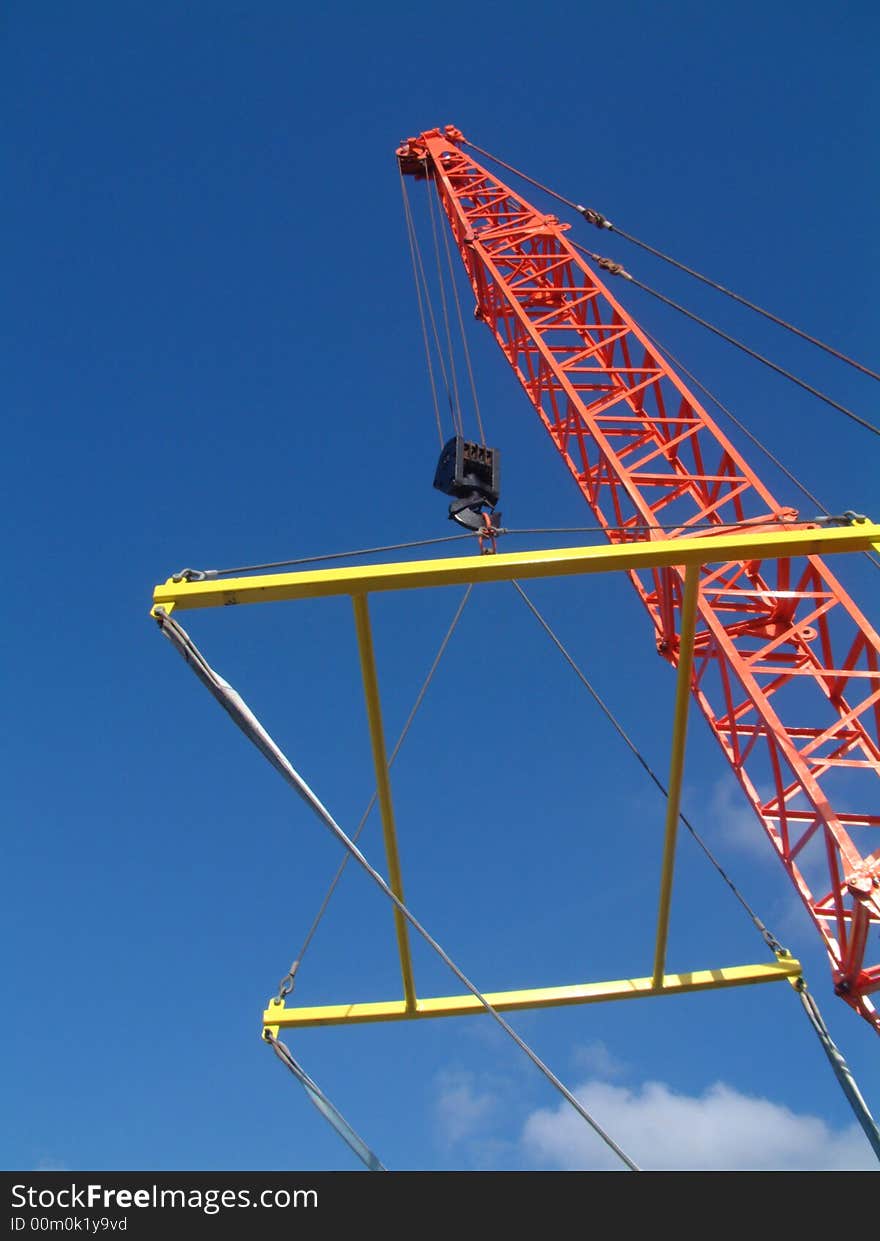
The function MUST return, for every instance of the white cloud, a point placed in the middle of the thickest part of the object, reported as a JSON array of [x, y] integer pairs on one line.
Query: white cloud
[[790, 920], [596, 1059], [732, 819], [662, 1130], [462, 1108]]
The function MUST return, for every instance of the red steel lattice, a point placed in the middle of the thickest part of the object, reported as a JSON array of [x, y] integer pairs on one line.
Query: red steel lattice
[[786, 669]]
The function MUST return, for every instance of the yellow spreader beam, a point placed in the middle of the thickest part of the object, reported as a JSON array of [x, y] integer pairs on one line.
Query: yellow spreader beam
[[461, 570], [278, 1017]]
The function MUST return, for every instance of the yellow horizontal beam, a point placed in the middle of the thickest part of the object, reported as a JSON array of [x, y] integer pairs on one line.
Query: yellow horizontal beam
[[457, 571], [277, 1016]]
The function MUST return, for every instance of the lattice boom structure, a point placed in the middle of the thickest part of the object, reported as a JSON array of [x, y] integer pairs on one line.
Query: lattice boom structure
[[786, 667]]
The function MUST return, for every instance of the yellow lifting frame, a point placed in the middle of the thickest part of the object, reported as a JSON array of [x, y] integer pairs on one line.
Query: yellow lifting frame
[[278, 1017], [360, 581], [459, 571]]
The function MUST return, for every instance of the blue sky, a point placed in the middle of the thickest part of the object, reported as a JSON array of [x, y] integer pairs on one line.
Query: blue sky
[[212, 357]]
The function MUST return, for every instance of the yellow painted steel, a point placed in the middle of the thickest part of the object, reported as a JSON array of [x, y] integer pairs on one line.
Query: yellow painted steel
[[676, 762], [561, 562], [277, 1016], [383, 787]]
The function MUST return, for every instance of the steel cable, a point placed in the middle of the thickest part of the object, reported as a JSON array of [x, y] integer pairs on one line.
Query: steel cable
[[430, 309], [411, 238], [752, 353], [728, 413], [796, 331], [201, 574], [769, 938], [247, 722], [597, 218], [464, 339], [197, 575], [442, 287]]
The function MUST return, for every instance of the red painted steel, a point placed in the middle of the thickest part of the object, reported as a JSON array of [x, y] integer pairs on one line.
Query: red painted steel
[[787, 669]]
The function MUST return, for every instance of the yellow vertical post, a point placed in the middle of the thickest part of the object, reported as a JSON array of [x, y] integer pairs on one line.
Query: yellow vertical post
[[676, 765], [383, 788]]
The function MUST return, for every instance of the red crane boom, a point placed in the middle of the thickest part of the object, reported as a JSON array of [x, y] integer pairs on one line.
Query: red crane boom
[[786, 667]]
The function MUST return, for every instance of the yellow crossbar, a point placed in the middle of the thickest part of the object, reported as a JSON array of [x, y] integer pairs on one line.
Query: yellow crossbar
[[278, 1017], [561, 562]]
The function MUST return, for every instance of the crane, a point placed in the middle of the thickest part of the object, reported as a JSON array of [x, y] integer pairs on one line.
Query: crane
[[786, 667]]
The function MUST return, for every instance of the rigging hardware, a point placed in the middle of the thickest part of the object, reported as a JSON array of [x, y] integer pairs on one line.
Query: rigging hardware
[[471, 474]]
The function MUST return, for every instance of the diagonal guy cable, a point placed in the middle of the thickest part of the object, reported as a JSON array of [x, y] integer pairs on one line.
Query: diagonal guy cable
[[769, 938], [737, 422], [617, 270], [243, 717], [600, 221]]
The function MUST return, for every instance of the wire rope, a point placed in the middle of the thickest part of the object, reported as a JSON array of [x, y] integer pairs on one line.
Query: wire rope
[[737, 422], [838, 1064], [770, 940], [436, 334], [410, 233], [752, 353], [600, 221], [441, 284], [197, 575], [464, 338], [246, 721], [201, 574]]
